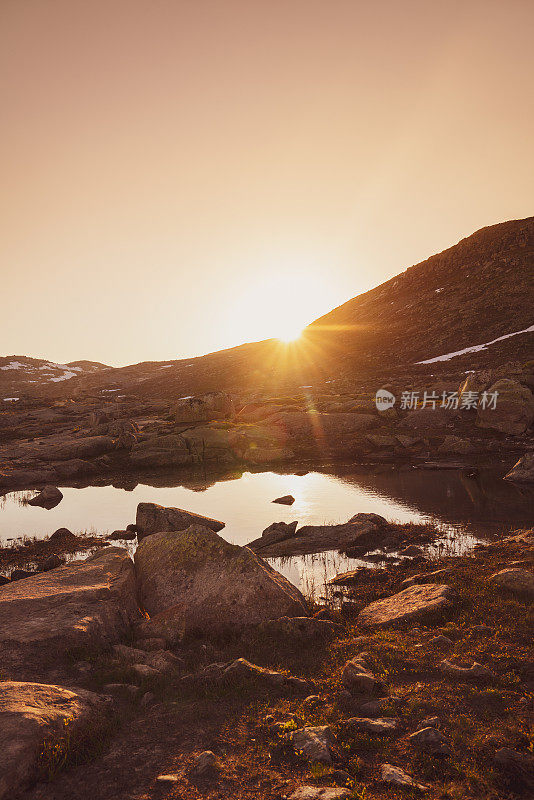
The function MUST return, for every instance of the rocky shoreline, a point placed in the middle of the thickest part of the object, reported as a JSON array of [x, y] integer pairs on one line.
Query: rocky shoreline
[[88, 439]]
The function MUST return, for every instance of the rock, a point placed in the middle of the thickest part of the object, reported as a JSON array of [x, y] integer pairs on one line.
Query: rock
[[49, 497], [391, 774], [423, 419], [149, 645], [364, 530], [152, 518], [517, 581], [205, 766], [425, 577], [144, 671], [518, 766], [303, 628], [411, 550], [358, 678], [514, 408], [4, 579], [277, 532], [431, 741], [320, 793], [169, 778], [374, 708], [454, 444], [51, 563], [242, 671], [33, 713], [286, 500], [382, 726], [168, 450], [214, 405], [314, 743], [523, 470], [129, 654], [416, 603], [121, 536], [311, 702], [82, 604], [147, 700], [441, 641], [64, 538], [19, 574], [475, 672], [218, 585]]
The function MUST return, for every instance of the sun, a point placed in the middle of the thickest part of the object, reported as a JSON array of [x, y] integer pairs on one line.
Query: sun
[[290, 332]]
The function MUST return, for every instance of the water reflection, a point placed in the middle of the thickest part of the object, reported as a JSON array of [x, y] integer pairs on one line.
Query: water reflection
[[459, 503]]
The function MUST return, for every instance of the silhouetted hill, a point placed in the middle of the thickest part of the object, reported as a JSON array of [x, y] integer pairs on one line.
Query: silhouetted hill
[[476, 296]]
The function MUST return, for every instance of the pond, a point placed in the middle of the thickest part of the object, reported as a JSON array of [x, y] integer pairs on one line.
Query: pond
[[463, 506]]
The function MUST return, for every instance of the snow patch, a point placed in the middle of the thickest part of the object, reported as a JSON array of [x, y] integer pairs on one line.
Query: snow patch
[[15, 365], [166, 366], [65, 377], [11, 399], [476, 348]]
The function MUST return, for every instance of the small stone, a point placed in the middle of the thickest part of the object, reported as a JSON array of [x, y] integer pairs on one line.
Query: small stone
[[147, 700], [320, 793], [391, 774], [144, 671], [311, 702], [205, 765], [357, 677], [286, 500], [441, 641], [473, 673], [314, 743], [167, 778], [382, 726], [51, 563], [430, 740]]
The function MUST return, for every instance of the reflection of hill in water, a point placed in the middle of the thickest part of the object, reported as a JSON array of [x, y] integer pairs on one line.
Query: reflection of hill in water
[[449, 495], [453, 496]]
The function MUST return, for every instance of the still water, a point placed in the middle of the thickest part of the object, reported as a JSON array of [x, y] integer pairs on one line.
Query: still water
[[460, 504]]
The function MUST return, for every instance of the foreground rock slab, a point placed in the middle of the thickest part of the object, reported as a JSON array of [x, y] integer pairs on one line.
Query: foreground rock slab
[[152, 518], [82, 604], [32, 714], [417, 602], [212, 584]]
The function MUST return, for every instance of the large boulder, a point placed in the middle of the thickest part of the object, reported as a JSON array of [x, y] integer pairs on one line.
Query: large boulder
[[151, 518], [82, 604], [168, 450], [215, 585], [514, 408], [214, 405], [36, 719], [523, 470], [416, 603]]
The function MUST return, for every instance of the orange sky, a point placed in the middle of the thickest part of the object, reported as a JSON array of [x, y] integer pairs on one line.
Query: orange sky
[[184, 175]]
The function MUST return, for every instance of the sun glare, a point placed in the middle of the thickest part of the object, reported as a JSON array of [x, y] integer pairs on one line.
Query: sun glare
[[290, 333]]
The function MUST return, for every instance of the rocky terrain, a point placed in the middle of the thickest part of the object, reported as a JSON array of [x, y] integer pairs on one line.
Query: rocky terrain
[[198, 671], [175, 664]]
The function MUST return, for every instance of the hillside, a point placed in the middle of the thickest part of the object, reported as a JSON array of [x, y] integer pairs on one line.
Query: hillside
[[475, 297]]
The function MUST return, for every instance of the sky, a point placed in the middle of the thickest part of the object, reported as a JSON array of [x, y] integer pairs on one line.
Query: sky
[[180, 176]]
